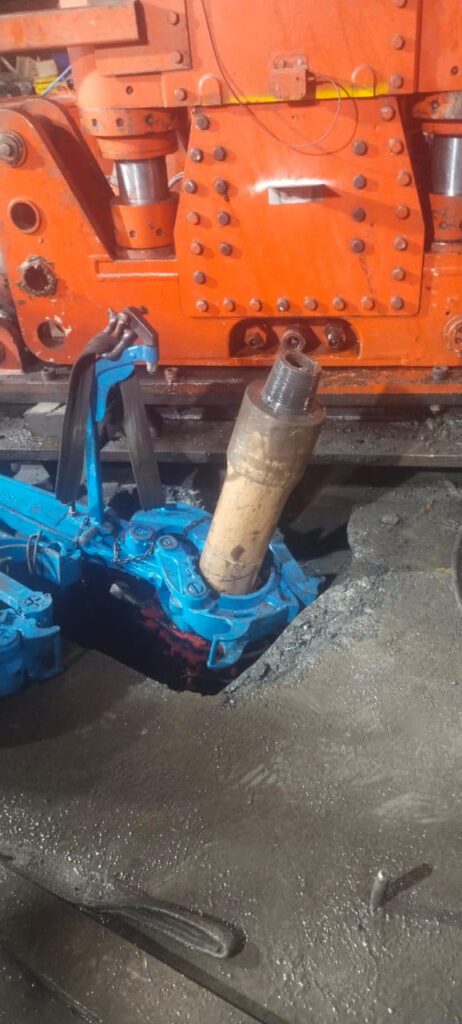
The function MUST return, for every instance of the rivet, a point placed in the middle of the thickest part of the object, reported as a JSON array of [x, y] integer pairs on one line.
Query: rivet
[[396, 302], [357, 245], [202, 122], [196, 155], [283, 305], [219, 153], [396, 81], [400, 3], [180, 94], [226, 249], [220, 186], [223, 217], [367, 302], [255, 304], [387, 112], [398, 273], [173, 17], [229, 304], [310, 304], [199, 277], [397, 42], [202, 305], [176, 57], [338, 302], [358, 213], [404, 178], [359, 181], [192, 217], [400, 242], [196, 248], [360, 147], [402, 212], [395, 146], [190, 186]]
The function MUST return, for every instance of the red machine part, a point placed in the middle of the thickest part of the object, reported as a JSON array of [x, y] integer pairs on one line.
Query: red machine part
[[305, 202]]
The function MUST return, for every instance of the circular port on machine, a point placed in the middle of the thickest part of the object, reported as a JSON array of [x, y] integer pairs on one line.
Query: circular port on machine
[[25, 215], [38, 277], [51, 334]]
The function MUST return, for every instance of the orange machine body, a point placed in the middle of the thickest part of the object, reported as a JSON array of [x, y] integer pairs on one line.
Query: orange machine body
[[275, 169]]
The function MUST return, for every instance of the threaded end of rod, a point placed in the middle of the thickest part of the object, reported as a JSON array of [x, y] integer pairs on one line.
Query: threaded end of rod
[[291, 385]]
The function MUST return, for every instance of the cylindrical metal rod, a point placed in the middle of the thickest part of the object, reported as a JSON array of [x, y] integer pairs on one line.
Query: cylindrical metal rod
[[142, 181], [274, 435], [446, 164]]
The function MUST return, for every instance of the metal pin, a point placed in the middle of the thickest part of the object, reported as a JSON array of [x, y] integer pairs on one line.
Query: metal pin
[[378, 891]]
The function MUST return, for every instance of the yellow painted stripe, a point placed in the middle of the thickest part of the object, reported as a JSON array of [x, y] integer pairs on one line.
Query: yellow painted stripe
[[325, 91]]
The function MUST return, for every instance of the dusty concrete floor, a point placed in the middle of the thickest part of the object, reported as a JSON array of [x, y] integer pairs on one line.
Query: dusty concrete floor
[[273, 805]]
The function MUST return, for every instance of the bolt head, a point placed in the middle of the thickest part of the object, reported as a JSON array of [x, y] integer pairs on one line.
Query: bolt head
[[397, 42], [359, 181], [398, 273], [229, 305], [176, 57], [196, 155], [358, 214], [190, 186], [195, 589], [226, 249], [173, 17], [359, 147], [219, 153], [220, 186], [396, 82], [338, 302], [202, 122], [192, 217], [180, 94], [199, 277], [404, 178], [202, 305], [357, 245], [196, 247], [255, 304], [402, 211], [367, 302], [168, 541], [223, 217], [282, 305], [395, 146], [387, 112], [310, 304], [400, 243], [12, 148], [396, 302]]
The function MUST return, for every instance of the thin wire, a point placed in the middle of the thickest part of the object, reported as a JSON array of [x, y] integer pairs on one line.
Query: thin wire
[[242, 103], [61, 78]]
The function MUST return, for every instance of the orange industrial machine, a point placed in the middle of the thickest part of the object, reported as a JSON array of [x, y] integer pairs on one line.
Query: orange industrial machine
[[250, 172]]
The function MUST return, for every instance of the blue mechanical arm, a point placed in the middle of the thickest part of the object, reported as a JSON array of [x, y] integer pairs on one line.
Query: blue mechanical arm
[[161, 546]]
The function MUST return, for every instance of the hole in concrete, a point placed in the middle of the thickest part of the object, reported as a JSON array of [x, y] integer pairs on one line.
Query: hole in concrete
[[51, 334]]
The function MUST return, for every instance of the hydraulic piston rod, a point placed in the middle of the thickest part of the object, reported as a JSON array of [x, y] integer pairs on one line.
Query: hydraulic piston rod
[[274, 435]]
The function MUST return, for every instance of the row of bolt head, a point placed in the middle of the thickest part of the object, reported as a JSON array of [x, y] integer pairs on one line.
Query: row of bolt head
[[283, 305], [359, 181], [360, 146]]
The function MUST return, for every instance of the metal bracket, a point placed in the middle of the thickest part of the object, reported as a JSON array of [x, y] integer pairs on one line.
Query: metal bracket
[[289, 76]]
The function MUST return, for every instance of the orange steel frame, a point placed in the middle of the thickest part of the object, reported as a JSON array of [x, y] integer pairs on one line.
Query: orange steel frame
[[301, 201]]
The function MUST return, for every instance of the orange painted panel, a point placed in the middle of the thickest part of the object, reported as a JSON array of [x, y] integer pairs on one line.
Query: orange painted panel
[[318, 222]]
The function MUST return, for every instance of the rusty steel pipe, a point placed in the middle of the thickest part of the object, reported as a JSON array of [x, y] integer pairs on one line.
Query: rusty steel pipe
[[274, 436]]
